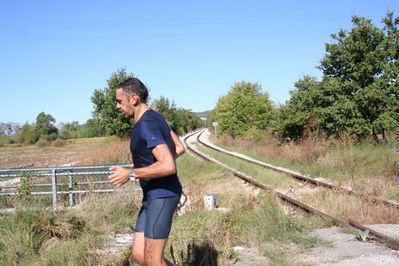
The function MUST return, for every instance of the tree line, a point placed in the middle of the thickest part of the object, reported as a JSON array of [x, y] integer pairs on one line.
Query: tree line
[[358, 94], [106, 119], [45, 129], [113, 122]]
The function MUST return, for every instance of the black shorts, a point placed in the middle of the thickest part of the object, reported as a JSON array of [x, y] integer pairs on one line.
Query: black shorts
[[155, 217]]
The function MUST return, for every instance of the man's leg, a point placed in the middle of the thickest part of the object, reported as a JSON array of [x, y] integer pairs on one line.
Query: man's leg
[[138, 237], [158, 224], [153, 250], [138, 248]]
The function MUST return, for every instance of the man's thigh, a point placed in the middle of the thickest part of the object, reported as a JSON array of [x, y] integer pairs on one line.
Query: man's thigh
[[159, 217]]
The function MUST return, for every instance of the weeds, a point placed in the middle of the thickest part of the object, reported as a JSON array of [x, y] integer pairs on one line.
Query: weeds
[[111, 150], [34, 236], [24, 188], [358, 166], [363, 236], [254, 221]]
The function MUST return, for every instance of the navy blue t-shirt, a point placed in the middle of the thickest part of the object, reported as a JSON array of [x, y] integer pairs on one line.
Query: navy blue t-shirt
[[152, 130]]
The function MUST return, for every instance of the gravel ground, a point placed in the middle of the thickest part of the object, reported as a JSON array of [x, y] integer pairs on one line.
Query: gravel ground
[[343, 250], [346, 250]]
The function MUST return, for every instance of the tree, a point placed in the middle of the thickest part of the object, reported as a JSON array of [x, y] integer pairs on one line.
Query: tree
[[359, 91], [361, 71], [245, 109], [69, 130], [28, 135], [45, 127], [91, 129], [298, 115], [111, 120], [180, 120]]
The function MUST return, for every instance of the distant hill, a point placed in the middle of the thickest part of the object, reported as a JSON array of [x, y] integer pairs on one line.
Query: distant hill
[[9, 128], [203, 114]]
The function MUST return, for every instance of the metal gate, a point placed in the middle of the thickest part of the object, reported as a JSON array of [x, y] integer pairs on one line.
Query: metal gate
[[71, 180]]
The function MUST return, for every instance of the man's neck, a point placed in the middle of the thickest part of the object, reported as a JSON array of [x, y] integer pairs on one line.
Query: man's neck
[[139, 111]]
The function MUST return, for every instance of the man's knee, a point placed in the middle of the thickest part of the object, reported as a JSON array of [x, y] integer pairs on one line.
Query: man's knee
[[138, 248], [138, 254], [151, 260], [138, 257], [153, 252]]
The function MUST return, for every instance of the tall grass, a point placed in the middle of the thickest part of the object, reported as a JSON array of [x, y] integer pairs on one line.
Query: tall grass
[[253, 221], [261, 174], [108, 151], [34, 235], [346, 206], [368, 168]]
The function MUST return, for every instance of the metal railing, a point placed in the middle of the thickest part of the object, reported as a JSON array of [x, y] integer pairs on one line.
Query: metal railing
[[70, 180]]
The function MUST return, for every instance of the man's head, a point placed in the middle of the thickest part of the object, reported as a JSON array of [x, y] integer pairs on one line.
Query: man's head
[[130, 94]]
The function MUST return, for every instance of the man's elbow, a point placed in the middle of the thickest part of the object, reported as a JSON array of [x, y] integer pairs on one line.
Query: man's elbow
[[180, 151], [170, 169]]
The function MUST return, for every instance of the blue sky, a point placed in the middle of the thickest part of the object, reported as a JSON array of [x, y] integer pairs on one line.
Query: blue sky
[[54, 54]]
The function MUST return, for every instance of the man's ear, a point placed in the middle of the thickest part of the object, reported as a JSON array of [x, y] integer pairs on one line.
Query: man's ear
[[134, 99]]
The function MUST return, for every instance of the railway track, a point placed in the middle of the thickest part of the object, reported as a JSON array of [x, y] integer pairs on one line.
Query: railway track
[[384, 239], [300, 177]]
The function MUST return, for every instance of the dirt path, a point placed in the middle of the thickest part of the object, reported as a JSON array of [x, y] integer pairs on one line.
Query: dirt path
[[345, 249]]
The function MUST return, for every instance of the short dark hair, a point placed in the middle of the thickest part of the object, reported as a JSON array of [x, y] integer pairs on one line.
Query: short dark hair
[[134, 85]]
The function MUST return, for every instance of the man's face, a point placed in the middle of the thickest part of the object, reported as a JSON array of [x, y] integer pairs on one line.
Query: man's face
[[125, 103]]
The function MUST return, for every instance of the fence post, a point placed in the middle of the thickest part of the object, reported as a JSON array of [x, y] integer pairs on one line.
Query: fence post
[[54, 189], [71, 186]]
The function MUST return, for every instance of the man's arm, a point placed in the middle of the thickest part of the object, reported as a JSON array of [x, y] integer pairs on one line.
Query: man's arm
[[180, 149], [164, 166]]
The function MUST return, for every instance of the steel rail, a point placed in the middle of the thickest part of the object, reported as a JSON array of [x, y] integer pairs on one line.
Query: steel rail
[[300, 176], [386, 240]]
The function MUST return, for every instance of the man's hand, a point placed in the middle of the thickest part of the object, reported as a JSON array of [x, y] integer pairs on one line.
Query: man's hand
[[120, 177]]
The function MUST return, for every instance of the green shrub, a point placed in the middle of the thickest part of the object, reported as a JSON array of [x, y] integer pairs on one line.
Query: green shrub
[[41, 143], [254, 134], [58, 143], [23, 188]]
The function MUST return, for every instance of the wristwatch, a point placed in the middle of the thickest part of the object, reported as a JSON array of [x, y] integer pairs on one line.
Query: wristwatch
[[132, 176]]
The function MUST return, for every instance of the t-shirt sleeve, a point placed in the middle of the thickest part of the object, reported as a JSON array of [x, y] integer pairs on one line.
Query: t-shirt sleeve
[[153, 134]]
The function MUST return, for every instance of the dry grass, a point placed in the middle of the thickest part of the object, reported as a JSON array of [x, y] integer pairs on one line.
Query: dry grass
[[305, 152], [265, 176], [364, 167], [113, 150], [358, 167], [252, 219], [346, 206], [97, 151], [110, 212]]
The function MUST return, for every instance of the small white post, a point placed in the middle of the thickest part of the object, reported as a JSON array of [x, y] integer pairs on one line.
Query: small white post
[[54, 188], [71, 186], [215, 125]]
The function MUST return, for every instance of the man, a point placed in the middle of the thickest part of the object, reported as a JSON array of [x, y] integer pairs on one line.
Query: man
[[154, 148]]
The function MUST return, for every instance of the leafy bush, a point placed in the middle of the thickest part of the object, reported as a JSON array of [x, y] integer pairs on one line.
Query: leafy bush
[[59, 143], [42, 143]]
